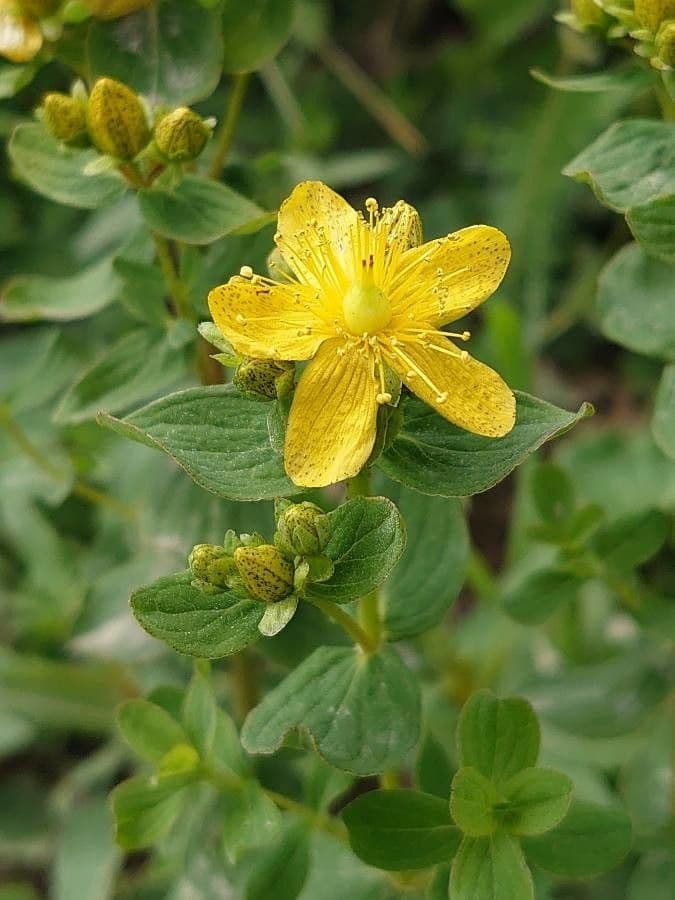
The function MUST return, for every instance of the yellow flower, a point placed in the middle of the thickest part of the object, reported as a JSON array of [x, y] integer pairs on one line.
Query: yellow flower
[[364, 297]]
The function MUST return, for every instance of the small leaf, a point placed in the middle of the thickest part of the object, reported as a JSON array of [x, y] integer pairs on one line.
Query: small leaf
[[57, 171], [398, 830], [148, 729], [631, 540], [218, 436], [653, 225], [254, 32], [490, 868], [433, 771], [631, 80], [472, 803], [198, 211], [145, 810], [27, 298], [590, 840], [663, 422], [537, 598], [538, 800], [629, 274], [193, 622], [87, 860], [251, 821], [171, 52], [498, 737], [281, 870], [362, 712], [430, 575], [434, 457], [630, 164], [367, 539], [277, 616]]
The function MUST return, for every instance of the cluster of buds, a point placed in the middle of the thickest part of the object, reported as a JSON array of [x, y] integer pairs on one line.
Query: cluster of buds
[[651, 23], [275, 574], [115, 120]]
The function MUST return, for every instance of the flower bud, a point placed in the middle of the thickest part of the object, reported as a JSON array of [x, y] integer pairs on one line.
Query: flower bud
[[303, 529], [114, 9], [116, 119], [589, 14], [65, 118], [664, 46], [265, 573], [182, 135], [650, 13], [212, 567], [20, 36], [264, 379]]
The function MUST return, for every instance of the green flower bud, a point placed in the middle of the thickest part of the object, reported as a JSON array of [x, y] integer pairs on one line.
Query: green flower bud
[[303, 529], [65, 118], [589, 14], [664, 45], [212, 567], [116, 120], [266, 574], [182, 135], [650, 13], [265, 379], [114, 9]]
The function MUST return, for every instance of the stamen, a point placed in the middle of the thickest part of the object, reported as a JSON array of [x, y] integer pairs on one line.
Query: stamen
[[246, 272]]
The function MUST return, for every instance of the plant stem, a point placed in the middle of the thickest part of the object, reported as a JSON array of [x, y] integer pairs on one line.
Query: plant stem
[[173, 281], [347, 623], [244, 683], [80, 488], [225, 135], [369, 606], [479, 576], [666, 102]]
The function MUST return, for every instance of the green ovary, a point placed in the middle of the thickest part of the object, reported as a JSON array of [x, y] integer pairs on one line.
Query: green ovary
[[366, 309]]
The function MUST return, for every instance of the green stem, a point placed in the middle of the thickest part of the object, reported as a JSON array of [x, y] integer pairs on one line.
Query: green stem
[[244, 683], [370, 619], [174, 284], [347, 623], [225, 135], [79, 488], [666, 102], [479, 576]]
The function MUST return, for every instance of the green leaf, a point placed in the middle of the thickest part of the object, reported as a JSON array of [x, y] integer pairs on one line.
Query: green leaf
[[27, 298], [433, 771], [398, 830], [367, 539], [171, 52], [57, 171], [631, 80], [538, 800], [630, 164], [86, 860], [490, 868], [218, 436], [140, 364], [439, 885], [472, 803], [498, 737], [540, 594], [281, 871], [651, 329], [255, 31], [653, 225], [198, 211], [663, 421], [195, 623], [251, 821], [361, 712], [631, 540], [14, 77], [430, 575], [590, 840], [434, 457], [148, 729], [145, 810]]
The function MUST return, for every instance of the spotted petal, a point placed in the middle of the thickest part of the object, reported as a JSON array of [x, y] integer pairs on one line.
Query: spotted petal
[[268, 321], [314, 234], [445, 279], [464, 391], [331, 427]]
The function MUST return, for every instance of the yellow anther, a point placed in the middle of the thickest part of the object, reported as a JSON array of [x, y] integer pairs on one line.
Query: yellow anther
[[382, 399], [371, 205], [246, 272], [441, 398], [466, 335], [463, 355], [241, 319]]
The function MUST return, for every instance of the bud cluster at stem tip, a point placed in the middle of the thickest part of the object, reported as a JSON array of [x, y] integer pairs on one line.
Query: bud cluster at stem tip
[[303, 529], [117, 121], [181, 135]]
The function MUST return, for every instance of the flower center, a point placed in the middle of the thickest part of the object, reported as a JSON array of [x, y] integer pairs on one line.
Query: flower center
[[366, 308]]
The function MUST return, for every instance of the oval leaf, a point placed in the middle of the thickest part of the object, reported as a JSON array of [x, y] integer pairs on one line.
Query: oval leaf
[[490, 868]]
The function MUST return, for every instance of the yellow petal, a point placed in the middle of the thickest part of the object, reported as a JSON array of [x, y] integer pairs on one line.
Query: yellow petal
[[314, 234], [20, 37], [443, 280], [331, 428], [465, 392], [268, 321]]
